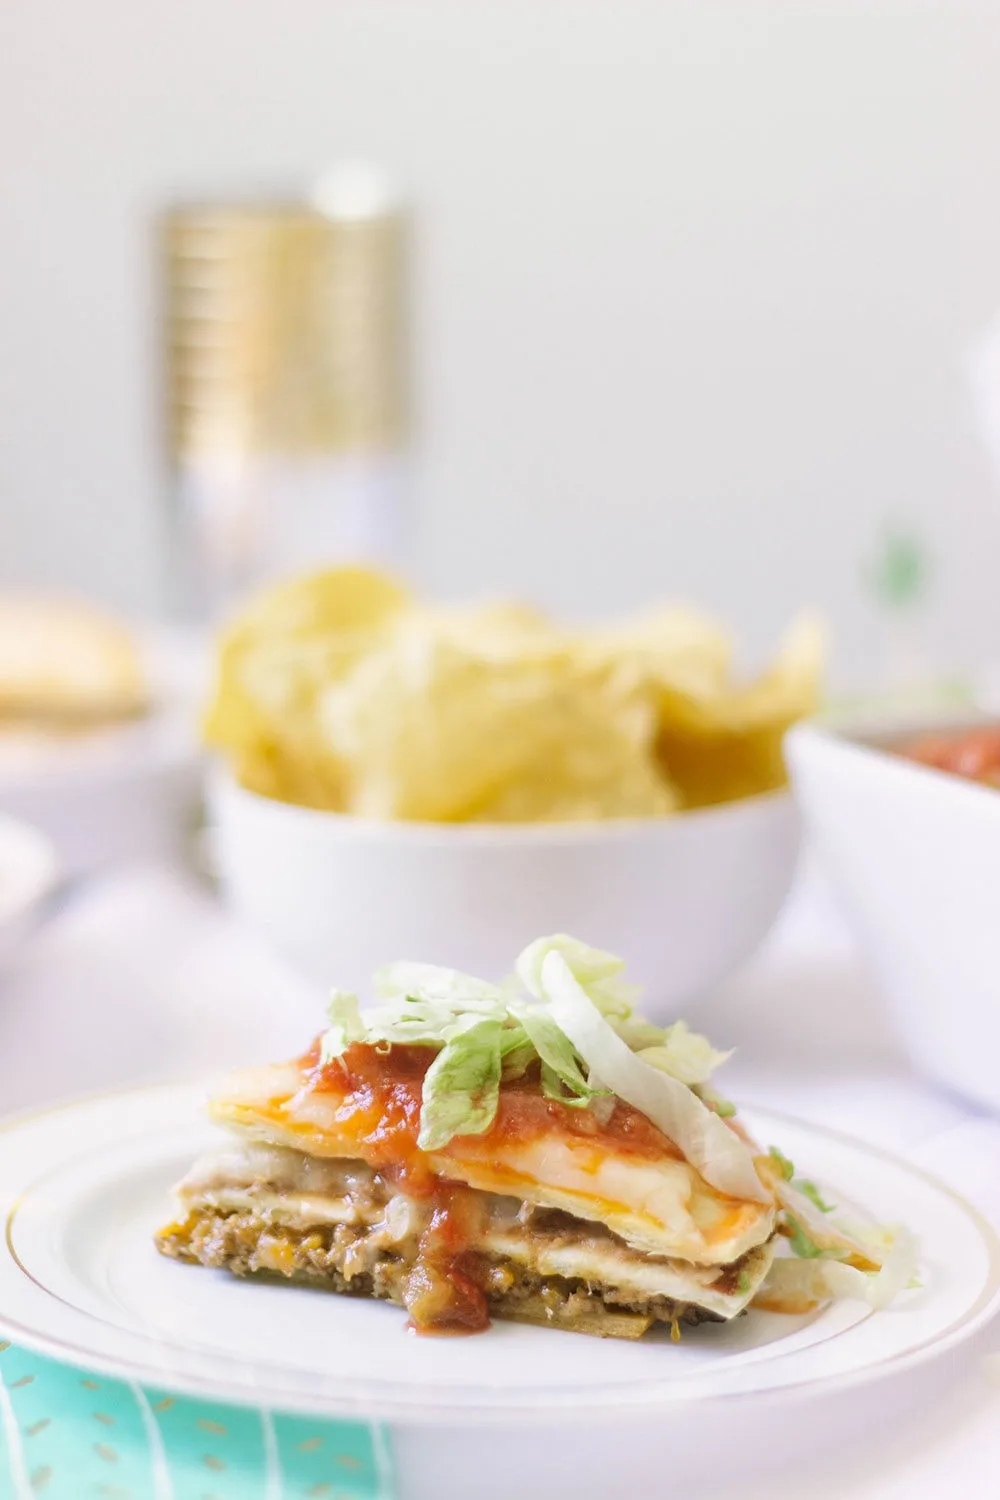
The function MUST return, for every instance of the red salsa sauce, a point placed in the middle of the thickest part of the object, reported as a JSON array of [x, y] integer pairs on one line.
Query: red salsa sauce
[[973, 754], [380, 1095], [380, 1109]]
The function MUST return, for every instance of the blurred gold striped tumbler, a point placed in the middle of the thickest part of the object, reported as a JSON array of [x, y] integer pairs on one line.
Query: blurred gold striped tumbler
[[287, 391]]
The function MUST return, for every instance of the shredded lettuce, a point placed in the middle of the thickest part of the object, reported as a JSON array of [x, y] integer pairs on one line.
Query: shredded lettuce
[[707, 1142], [462, 1086], [602, 974], [724, 1108], [517, 1052], [801, 1244], [684, 1055], [799, 1283], [602, 1104], [582, 1027], [346, 1025], [448, 988], [863, 1247], [427, 1005], [569, 1011], [811, 1191], [562, 1077], [592, 966]]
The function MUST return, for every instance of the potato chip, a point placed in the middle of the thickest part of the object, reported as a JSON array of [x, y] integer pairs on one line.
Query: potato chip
[[274, 660], [597, 766], [428, 727], [331, 602], [337, 691], [674, 645], [724, 744], [495, 629], [265, 717], [447, 722]]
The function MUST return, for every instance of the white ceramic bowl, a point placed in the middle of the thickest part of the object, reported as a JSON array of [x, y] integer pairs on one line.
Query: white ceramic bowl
[[127, 792], [915, 857], [684, 899]]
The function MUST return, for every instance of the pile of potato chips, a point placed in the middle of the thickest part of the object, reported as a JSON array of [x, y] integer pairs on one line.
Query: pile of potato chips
[[340, 691]]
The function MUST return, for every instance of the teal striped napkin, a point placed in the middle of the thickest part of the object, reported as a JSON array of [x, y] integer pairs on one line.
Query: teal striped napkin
[[66, 1434]]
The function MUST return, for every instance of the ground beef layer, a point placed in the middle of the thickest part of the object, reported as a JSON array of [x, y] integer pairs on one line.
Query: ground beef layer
[[347, 1259]]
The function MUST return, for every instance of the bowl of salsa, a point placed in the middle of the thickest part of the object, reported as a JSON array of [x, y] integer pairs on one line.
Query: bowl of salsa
[[973, 754], [908, 830]]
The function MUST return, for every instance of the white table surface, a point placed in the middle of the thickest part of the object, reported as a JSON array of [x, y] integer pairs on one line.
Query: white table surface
[[139, 977]]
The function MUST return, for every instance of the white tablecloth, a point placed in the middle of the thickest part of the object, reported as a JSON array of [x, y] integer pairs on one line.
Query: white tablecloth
[[140, 977]]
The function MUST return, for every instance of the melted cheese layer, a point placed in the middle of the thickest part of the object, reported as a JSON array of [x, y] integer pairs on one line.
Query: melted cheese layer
[[653, 1199], [283, 1187]]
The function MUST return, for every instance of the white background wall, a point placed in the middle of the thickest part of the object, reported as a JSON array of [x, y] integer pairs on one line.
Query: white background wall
[[696, 281]]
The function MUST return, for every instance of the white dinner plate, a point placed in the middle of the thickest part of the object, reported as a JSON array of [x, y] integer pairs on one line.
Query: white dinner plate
[[83, 1187]]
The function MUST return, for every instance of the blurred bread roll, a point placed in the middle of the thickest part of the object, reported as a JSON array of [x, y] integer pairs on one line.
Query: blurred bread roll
[[65, 662]]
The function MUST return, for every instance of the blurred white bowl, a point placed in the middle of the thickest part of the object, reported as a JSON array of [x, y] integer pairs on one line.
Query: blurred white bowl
[[29, 872], [129, 793], [685, 899], [915, 857], [126, 792]]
